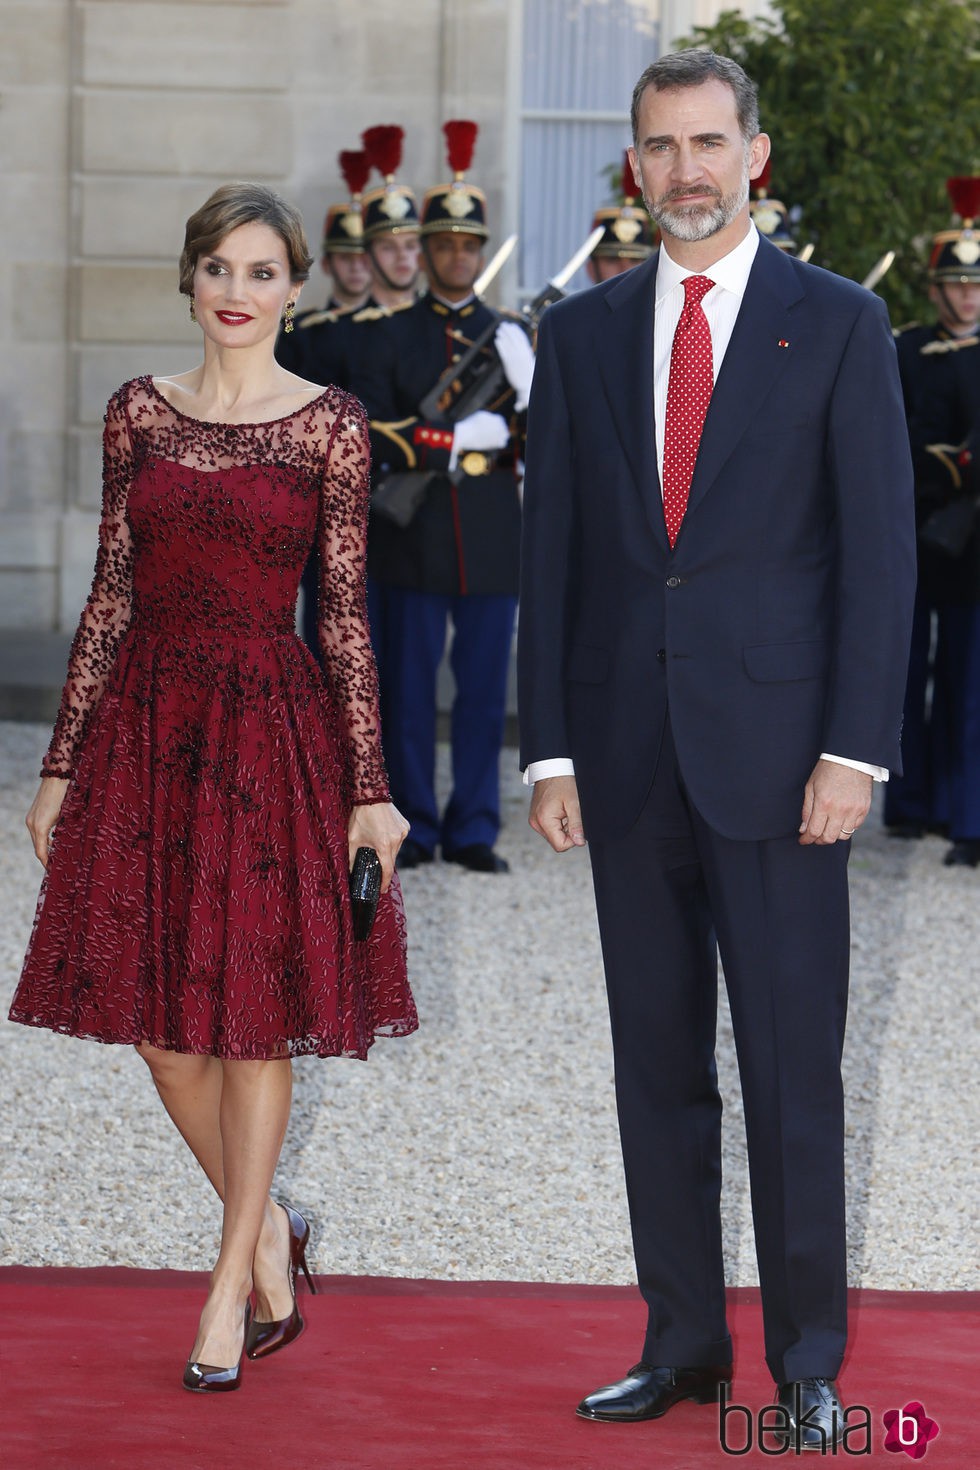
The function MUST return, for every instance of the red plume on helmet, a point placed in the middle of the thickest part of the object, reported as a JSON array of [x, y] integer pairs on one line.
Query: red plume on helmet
[[383, 146], [628, 187], [460, 143], [354, 167], [965, 194]]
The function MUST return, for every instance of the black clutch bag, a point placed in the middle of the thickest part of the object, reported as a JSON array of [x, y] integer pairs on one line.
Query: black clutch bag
[[365, 890]]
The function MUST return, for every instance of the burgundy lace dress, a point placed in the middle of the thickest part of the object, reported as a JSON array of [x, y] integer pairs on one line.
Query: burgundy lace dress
[[197, 894]]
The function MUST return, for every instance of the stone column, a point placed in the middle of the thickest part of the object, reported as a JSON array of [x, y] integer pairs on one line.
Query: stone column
[[34, 70]]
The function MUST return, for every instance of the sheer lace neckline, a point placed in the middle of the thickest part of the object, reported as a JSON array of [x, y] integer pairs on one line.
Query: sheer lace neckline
[[226, 424]]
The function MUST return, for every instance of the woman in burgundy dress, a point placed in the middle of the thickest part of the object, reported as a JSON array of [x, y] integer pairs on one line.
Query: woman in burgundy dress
[[209, 787]]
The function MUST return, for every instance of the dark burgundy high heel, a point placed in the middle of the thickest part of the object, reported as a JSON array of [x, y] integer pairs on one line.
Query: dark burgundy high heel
[[203, 1378], [264, 1338]]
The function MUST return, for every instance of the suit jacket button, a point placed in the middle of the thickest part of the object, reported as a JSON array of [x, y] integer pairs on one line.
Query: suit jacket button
[[673, 581], [661, 655]]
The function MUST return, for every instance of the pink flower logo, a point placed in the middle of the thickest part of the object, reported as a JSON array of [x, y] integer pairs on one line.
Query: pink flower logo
[[909, 1429]]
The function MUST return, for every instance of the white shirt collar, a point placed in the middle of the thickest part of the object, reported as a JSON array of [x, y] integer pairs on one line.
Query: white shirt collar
[[731, 271], [452, 305]]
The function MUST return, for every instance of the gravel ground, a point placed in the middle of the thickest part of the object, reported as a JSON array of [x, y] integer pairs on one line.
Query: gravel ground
[[485, 1146]]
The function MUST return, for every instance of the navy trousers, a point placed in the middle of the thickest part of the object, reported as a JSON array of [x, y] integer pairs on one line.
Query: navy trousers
[[920, 794], [409, 631], [779, 912], [959, 672]]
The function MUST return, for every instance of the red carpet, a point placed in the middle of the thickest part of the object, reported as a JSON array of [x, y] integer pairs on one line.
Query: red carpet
[[415, 1375]]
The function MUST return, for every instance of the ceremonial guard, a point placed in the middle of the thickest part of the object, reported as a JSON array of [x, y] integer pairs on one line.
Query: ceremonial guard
[[342, 253], [946, 437], [315, 350], [628, 233], [391, 224], [443, 546], [378, 229], [922, 797], [770, 216]]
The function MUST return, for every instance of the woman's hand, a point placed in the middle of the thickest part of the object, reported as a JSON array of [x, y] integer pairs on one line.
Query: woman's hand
[[382, 827], [44, 812]]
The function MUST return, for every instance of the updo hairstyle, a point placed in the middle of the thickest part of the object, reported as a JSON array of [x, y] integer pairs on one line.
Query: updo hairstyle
[[242, 204]]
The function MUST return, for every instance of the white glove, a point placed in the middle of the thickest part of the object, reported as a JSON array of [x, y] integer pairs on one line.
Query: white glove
[[480, 430], [517, 359]]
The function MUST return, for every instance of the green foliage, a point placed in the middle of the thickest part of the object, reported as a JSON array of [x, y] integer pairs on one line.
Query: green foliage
[[871, 105]]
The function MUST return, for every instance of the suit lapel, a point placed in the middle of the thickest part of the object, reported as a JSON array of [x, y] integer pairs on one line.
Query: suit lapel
[[625, 354], [753, 360]]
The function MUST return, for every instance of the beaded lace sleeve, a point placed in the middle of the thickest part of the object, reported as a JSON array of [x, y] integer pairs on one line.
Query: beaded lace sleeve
[[344, 636], [107, 612]]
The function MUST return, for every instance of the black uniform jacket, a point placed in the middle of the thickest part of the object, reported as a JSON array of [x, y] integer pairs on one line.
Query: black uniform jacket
[[948, 413], [465, 537], [320, 347]]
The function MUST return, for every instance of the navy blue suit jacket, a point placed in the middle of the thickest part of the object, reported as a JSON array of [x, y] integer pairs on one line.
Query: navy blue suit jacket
[[778, 627]]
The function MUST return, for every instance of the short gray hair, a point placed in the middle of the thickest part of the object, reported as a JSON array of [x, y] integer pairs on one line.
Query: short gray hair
[[692, 68]]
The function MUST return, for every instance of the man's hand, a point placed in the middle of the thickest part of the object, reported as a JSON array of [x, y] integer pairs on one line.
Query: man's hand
[[555, 812], [835, 803]]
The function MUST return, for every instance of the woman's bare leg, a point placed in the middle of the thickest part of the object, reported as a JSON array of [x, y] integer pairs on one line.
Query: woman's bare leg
[[192, 1089], [255, 1099]]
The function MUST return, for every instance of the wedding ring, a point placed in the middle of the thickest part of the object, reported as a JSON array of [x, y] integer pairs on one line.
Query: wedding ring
[[848, 831]]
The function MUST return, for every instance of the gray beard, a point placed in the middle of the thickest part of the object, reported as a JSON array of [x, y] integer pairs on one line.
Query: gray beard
[[703, 220]]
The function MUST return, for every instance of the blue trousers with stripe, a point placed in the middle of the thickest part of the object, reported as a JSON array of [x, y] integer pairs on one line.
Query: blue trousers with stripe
[[409, 631]]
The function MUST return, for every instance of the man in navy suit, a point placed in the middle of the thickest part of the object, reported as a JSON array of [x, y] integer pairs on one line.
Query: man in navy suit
[[708, 704]]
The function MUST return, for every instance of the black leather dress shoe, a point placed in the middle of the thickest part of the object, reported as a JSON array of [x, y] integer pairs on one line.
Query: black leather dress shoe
[[479, 858], [647, 1393], [412, 855], [816, 1418], [963, 855]]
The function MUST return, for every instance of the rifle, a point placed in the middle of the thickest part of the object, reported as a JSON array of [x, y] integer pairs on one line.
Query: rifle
[[478, 379]]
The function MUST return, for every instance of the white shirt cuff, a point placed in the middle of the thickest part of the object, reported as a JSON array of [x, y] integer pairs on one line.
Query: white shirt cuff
[[541, 770], [879, 773], [563, 766]]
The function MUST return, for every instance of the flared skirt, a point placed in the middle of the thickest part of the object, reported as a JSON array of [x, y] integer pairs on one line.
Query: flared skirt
[[196, 896]]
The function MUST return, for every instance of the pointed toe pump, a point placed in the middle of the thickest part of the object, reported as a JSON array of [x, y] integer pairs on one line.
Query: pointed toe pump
[[203, 1378], [264, 1338]]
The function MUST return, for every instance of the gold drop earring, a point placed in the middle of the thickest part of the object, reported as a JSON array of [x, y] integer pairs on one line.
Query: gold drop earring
[[288, 315], [193, 314]]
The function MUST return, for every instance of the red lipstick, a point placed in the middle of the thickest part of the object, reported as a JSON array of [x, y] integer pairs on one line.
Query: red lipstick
[[233, 318]]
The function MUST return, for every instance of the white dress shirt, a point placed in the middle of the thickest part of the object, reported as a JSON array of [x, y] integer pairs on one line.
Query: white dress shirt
[[721, 306]]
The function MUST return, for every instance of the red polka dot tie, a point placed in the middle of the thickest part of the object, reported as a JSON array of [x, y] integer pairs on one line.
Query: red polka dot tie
[[688, 395]]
